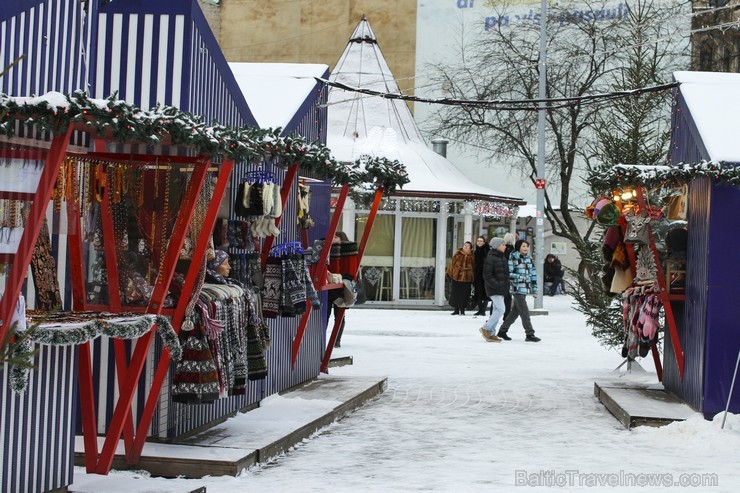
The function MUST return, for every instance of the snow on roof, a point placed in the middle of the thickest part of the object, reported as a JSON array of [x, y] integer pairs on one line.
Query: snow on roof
[[276, 91], [713, 98], [358, 123], [529, 210]]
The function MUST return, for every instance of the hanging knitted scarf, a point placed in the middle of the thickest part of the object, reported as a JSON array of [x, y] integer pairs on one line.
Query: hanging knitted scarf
[[43, 269], [289, 282], [295, 283], [254, 265], [271, 291], [311, 294]]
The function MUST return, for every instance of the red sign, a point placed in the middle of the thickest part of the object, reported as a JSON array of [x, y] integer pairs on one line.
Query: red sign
[[539, 183]]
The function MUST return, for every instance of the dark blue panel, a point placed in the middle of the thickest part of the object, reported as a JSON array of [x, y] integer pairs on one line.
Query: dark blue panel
[[723, 327], [12, 8], [171, 7]]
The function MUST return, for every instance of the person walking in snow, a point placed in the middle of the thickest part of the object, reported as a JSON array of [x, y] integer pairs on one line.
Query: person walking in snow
[[509, 240], [460, 271], [479, 285], [523, 276], [496, 278]]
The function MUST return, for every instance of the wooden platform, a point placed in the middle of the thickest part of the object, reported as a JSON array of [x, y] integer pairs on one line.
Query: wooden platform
[[340, 361], [279, 423], [641, 404]]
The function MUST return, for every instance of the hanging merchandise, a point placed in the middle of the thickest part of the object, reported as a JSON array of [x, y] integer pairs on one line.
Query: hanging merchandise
[[646, 269], [305, 221], [678, 205], [195, 379], [44, 271], [641, 307], [638, 228], [258, 200], [271, 290]]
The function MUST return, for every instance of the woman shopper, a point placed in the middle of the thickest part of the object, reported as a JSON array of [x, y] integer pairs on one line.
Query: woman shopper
[[523, 277], [496, 275], [479, 285], [460, 271], [509, 241]]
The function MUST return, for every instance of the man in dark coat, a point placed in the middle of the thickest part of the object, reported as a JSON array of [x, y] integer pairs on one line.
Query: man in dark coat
[[553, 273], [496, 277]]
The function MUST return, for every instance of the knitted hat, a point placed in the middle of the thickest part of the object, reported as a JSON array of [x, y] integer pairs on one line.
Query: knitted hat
[[220, 258], [496, 242]]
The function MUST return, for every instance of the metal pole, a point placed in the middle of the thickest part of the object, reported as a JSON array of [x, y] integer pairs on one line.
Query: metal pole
[[732, 386], [540, 219]]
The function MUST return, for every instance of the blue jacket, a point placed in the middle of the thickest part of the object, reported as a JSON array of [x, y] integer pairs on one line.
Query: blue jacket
[[522, 274]]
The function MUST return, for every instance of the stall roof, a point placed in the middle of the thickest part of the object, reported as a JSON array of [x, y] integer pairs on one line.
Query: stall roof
[[713, 98], [276, 91], [360, 124]]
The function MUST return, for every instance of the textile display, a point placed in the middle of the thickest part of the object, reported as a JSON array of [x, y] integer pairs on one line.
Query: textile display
[[44, 272]]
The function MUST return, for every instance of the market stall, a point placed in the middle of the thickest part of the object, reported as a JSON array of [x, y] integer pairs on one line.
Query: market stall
[[685, 222]]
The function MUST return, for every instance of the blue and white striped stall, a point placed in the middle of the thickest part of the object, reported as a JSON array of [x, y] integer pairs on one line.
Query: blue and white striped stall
[[149, 53], [43, 46]]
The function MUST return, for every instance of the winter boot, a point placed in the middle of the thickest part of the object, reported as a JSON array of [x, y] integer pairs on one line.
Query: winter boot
[[502, 334], [532, 338], [488, 336]]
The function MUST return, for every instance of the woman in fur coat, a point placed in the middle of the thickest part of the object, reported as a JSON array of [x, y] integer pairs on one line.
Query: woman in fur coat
[[461, 276]]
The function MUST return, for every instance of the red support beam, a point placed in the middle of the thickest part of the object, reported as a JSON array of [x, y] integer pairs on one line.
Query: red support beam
[[22, 258], [87, 395], [87, 407], [190, 281], [161, 287], [360, 252], [290, 177], [319, 277], [663, 295]]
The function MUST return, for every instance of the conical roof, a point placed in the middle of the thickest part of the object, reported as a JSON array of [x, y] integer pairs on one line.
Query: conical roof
[[361, 124]]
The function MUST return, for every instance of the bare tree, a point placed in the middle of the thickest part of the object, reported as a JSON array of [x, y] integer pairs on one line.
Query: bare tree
[[597, 48]]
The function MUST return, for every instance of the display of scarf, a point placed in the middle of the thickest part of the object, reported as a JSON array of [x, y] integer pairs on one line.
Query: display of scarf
[[44, 271], [640, 309], [271, 291]]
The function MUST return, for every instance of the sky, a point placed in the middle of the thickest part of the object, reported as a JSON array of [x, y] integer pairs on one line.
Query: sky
[[463, 414]]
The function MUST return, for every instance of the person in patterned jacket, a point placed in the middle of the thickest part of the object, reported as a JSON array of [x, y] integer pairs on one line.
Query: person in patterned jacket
[[523, 277]]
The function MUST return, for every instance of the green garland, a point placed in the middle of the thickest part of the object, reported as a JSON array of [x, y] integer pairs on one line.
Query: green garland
[[607, 178], [60, 336], [118, 120]]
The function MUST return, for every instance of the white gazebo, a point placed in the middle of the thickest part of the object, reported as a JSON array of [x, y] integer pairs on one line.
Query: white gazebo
[[419, 227]]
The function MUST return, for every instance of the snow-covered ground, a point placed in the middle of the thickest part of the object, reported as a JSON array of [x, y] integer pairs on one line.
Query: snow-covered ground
[[461, 414]]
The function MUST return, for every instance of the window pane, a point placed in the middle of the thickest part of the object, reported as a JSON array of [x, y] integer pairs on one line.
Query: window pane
[[377, 261], [418, 251]]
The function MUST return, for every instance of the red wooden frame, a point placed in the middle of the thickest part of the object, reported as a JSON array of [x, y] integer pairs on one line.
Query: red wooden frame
[[663, 295], [360, 252], [319, 272], [22, 259], [129, 370]]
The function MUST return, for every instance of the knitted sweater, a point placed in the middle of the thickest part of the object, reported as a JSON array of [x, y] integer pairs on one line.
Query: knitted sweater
[[522, 273]]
